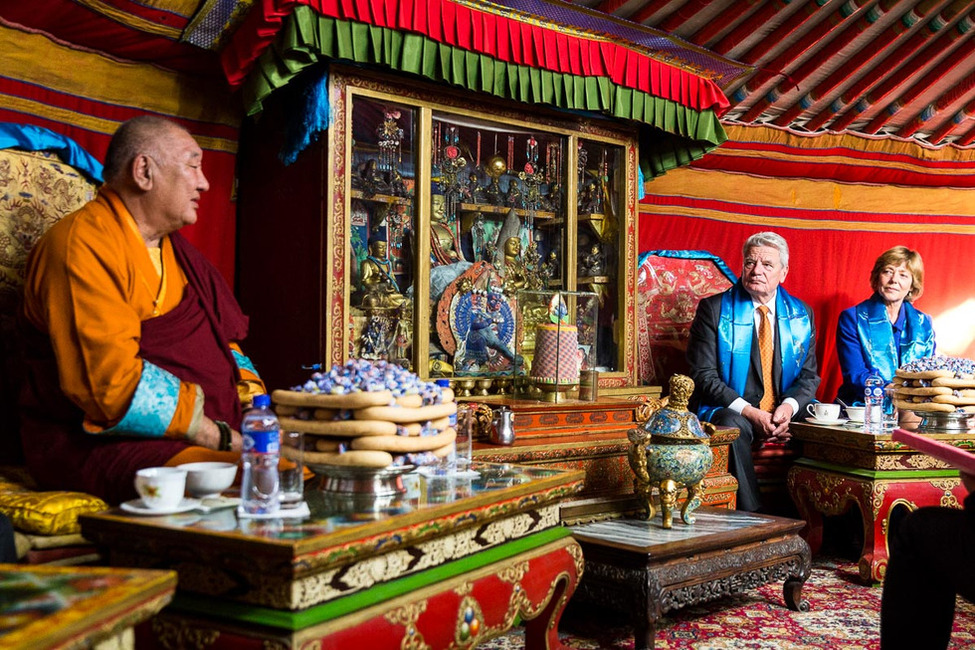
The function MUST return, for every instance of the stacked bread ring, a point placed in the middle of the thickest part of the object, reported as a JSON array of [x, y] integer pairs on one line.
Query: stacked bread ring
[[396, 420], [936, 384]]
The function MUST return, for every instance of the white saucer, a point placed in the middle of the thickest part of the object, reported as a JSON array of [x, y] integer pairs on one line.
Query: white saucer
[[827, 422], [136, 507]]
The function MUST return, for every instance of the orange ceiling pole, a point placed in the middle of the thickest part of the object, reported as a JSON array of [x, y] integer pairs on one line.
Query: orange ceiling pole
[[930, 79], [811, 39], [866, 55], [952, 123], [751, 24], [648, 10], [841, 40], [609, 6], [966, 138], [864, 100], [681, 16], [955, 93], [721, 22], [794, 22]]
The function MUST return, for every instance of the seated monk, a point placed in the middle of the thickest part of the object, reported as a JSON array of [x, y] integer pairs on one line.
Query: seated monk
[[131, 335], [379, 289]]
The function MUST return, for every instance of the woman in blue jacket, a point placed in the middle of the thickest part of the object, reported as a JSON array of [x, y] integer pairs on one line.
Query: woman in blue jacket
[[885, 331]]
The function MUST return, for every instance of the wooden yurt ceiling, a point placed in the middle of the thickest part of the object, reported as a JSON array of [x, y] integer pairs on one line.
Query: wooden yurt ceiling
[[880, 67]]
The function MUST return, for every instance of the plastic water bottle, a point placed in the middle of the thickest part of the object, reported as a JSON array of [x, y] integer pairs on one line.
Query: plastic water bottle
[[259, 486], [873, 400]]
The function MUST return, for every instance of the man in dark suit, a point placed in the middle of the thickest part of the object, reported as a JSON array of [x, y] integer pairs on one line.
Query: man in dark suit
[[752, 353]]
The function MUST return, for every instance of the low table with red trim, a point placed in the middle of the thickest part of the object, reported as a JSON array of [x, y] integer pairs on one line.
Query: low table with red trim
[[843, 467], [453, 561], [77, 607]]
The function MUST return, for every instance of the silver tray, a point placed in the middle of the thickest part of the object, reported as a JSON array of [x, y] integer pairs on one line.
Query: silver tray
[[940, 422], [382, 481]]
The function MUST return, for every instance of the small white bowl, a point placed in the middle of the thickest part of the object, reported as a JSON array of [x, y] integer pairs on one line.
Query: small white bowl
[[855, 413], [208, 479]]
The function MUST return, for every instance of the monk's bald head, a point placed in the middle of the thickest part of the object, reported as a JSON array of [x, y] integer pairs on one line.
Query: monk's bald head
[[140, 135]]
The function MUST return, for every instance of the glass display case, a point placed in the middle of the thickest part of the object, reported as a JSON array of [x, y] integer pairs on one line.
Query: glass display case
[[382, 193], [438, 210], [556, 342]]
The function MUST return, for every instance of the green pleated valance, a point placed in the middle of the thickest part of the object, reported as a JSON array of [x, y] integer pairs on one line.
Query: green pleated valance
[[671, 135]]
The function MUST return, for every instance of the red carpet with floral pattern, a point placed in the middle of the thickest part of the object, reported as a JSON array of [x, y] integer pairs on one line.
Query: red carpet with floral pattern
[[843, 614]]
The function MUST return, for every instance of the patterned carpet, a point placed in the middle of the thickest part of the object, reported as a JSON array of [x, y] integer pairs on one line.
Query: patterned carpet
[[843, 614]]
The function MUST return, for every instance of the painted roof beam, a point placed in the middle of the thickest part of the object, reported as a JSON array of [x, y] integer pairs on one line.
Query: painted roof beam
[[919, 59], [848, 34]]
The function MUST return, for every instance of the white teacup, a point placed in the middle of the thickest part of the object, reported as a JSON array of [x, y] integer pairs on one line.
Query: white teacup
[[161, 488], [855, 413], [822, 411]]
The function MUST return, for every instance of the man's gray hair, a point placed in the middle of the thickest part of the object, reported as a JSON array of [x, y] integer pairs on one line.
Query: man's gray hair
[[770, 239]]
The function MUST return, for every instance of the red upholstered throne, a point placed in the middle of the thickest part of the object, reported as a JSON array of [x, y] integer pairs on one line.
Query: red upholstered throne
[[670, 284]]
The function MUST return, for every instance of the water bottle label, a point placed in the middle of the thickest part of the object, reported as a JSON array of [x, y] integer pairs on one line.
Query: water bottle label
[[262, 442]]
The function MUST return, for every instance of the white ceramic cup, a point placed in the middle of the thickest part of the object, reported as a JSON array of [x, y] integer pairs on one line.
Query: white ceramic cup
[[161, 488], [822, 411], [855, 413]]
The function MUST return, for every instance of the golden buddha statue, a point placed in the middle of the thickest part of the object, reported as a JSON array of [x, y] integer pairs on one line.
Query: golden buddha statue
[[515, 275], [379, 288]]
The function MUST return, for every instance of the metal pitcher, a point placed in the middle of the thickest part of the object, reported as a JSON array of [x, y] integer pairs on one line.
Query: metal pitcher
[[503, 426]]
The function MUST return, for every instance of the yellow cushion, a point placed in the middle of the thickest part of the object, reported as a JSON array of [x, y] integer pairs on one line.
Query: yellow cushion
[[46, 513]]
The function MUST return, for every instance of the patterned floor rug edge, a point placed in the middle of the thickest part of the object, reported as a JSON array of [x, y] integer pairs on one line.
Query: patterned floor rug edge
[[843, 614]]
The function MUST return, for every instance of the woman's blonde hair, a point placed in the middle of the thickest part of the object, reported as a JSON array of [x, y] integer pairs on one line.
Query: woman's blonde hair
[[895, 257]]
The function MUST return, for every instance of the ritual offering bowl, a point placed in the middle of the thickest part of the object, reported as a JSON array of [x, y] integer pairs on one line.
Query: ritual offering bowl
[[671, 451], [208, 478]]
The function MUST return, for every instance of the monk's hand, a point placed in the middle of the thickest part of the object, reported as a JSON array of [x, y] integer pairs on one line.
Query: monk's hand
[[208, 435], [236, 441]]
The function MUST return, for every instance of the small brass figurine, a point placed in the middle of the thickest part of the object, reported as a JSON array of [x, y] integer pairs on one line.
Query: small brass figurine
[[669, 452]]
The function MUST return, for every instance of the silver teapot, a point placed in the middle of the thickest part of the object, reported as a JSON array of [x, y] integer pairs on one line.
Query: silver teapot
[[503, 426]]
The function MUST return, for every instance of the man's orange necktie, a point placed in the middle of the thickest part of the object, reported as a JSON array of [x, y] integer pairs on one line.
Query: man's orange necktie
[[766, 349]]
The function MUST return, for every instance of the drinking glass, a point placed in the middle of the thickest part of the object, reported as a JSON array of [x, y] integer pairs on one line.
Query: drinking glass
[[890, 413], [291, 469], [465, 430]]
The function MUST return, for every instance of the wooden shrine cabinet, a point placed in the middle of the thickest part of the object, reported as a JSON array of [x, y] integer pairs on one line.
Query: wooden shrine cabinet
[[416, 226]]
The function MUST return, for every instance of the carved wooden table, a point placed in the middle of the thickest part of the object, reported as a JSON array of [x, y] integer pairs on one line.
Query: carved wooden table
[[843, 467], [77, 607], [452, 562], [639, 567]]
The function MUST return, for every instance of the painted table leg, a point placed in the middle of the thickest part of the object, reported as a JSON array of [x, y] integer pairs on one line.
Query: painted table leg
[[542, 632], [804, 498]]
